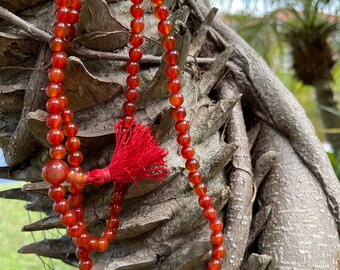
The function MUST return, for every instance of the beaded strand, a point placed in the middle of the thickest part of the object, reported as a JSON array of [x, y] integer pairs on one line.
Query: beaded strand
[[60, 117], [56, 171], [173, 71]]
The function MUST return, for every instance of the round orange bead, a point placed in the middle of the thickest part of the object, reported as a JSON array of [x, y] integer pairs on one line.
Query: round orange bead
[[133, 81], [82, 253], [73, 16], [204, 201], [61, 29], [200, 189], [83, 239], [216, 225], [113, 223], [178, 113], [76, 4], [60, 207], [195, 177], [58, 44], [54, 120], [136, 40], [55, 172], [137, 25], [174, 86], [169, 42], [192, 165], [218, 252], [135, 54], [183, 139], [129, 108], [165, 27], [217, 238], [68, 218], [173, 72], [109, 234], [156, 3], [64, 101], [131, 95], [171, 57], [187, 152], [55, 136], [56, 193], [85, 264], [56, 75], [137, 11], [53, 105], [67, 114], [161, 12], [214, 264], [102, 244], [209, 213], [54, 90], [57, 151], [176, 100], [132, 67], [70, 129], [72, 143], [59, 59]]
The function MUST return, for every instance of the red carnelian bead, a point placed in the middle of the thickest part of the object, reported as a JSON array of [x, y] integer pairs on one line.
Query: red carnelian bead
[[62, 3], [102, 244], [59, 59], [58, 44], [75, 158], [72, 31], [53, 105], [165, 27], [62, 14], [53, 120], [218, 252], [61, 207], [55, 136], [76, 177], [137, 25], [76, 188], [72, 143], [57, 151], [156, 3], [85, 264], [137, 11], [171, 57], [131, 95], [80, 212], [174, 86], [64, 101], [136, 1], [214, 264], [70, 129], [136, 40], [209, 213], [73, 16], [217, 238], [195, 177], [83, 239], [183, 139], [192, 165], [216, 225], [113, 223], [182, 126], [67, 114], [82, 253], [200, 189], [173, 72], [169, 43], [93, 243], [204, 201], [132, 67], [176, 100], [178, 113], [116, 209], [61, 29], [56, 193], [133, 81], [109, 234], [127, 120], [135, 54], [68, 218], [161, 12], [54, 89], [129, 108], [188, 152], [75, 230], [76, 200], [56, 75], [76, 4]]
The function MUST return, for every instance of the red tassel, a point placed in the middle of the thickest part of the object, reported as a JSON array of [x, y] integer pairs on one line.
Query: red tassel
[[137, 157]]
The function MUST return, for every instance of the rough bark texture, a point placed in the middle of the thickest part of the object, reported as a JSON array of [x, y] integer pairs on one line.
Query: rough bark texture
[[260, 141]]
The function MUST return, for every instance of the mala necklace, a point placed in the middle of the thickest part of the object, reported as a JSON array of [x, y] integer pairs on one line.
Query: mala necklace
[[137, 155]]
